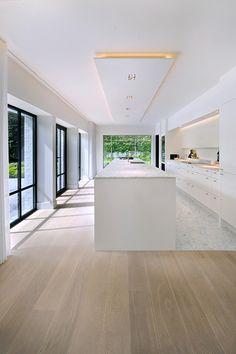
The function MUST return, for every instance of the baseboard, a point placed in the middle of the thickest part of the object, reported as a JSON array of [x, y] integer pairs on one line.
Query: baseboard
[[46, 205]]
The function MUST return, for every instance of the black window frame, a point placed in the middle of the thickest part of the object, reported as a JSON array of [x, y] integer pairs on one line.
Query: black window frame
[[19, 190], [62, 190]]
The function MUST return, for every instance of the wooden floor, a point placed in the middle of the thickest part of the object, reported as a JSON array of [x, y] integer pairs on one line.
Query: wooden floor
[[59, 296]]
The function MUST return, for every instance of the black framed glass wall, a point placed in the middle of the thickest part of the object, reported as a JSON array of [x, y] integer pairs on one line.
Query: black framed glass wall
[[61, 159], [126, 146], [22, 163]]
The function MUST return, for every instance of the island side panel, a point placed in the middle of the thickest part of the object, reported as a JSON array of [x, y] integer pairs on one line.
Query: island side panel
[[135, 214]]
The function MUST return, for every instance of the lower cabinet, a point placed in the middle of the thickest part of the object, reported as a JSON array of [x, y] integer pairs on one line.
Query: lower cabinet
[[228, 197], [200, 183]]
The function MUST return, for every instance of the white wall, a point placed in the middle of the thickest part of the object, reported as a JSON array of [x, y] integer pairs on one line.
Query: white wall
[[205, 104], [46, 162], [92, 150], [72, 158], [209, 102], [32, 91], [84, 156], [24, 85], [119, 130]]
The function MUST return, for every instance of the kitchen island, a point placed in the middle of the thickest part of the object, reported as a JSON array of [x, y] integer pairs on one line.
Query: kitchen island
[[135, 207]]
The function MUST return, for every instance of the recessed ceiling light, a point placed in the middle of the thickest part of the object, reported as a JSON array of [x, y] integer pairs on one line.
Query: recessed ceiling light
[[131, 76], [158, 55], [129, 97]]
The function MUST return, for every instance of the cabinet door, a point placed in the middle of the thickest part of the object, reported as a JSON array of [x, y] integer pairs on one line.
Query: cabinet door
[[228, 197], [228, 137]]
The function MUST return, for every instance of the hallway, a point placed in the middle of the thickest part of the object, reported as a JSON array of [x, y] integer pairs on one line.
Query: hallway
[[59, 296]]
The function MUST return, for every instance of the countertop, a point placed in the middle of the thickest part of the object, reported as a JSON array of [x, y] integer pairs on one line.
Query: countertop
[[196, 164], [127, 169]]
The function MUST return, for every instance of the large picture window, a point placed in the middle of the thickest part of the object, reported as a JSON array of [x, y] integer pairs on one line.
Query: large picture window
[[61, 159], [126, 146], [22, 163]]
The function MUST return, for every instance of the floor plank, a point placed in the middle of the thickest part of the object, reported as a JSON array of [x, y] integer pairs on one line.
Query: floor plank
[[203, 338], [222, 321], [172, 332]]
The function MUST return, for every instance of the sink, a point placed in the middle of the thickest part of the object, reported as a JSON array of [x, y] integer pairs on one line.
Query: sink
[[137, 162]]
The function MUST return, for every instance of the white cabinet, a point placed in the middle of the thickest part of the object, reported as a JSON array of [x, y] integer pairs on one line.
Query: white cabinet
[[228, 162], [204, 134], [228, 197], [228, 137], [200, 183]]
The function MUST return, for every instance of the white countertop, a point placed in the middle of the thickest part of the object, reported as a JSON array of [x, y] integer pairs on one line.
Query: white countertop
[[127, 169], [196, 164]]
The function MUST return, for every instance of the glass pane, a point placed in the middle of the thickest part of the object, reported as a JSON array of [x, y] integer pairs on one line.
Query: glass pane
[[143, 147], [62, 142], [58, 183], [62, 181], [163, 148], [62, 151], [13, 143], [58, 142], [14, 207], [61, 158], [62, 165], [58, 165], [27, 157], [27, 200], [126, 146], [107, 149]]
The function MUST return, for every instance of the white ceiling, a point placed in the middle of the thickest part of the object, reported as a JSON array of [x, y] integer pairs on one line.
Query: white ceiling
[[59, 39]]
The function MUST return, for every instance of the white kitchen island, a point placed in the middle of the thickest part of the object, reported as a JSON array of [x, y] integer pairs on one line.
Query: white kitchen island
[[135, 208]]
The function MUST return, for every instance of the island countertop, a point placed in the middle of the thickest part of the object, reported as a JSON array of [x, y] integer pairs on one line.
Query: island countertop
[[131, 169]]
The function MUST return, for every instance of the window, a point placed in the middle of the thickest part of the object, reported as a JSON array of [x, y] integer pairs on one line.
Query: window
[[126, 146], [22, 163], [79, 137], [61, 159], [163, 152]]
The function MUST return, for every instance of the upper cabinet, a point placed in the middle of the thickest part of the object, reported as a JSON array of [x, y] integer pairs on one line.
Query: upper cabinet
[[228, 137], [202, 134]]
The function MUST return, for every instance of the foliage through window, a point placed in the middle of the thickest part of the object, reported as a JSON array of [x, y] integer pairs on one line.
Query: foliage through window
[[126, 146]]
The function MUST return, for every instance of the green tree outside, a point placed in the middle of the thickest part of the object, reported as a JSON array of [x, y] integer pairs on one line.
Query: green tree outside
[[125, 146]]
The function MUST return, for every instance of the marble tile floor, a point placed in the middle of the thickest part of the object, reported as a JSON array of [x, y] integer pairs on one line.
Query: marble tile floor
[[197, 228]]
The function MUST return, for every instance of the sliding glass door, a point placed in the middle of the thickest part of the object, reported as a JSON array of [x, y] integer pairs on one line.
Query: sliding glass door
[[61, 159], [22, 163]]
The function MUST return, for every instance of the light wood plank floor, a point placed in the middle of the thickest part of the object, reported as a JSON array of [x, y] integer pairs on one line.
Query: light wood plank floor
[[59, 296]]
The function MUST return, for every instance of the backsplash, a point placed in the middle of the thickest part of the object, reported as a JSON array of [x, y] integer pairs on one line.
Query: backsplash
[[202, 153]]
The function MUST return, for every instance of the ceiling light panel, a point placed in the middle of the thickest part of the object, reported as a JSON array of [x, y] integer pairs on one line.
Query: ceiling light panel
[[146, 75]]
